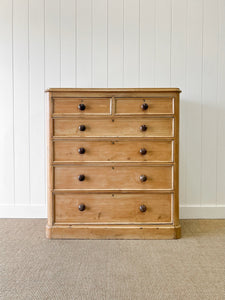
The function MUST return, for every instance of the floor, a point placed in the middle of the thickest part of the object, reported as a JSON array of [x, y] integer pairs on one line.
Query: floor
[[32, 267]]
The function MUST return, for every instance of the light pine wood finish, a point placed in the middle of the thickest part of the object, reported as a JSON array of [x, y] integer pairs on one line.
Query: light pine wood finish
[[112, 208], [113, 150], [130, 106], [114, 127], [115, 201]]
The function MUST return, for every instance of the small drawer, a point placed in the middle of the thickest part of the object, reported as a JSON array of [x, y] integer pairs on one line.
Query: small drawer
[[147, 106], [82, 106], [114, 127], [113, 150], [112, 208], [113, 177]]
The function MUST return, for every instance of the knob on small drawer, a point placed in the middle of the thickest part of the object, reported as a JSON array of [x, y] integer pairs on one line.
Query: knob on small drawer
[[143, 178], [81, 177], [81, 106], [143, 127], [81, 150], [81, 207], [144, 106], [82, 127], [143, 151], [142, 208]]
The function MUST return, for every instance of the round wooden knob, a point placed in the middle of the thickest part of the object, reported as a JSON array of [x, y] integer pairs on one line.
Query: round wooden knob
[[81, 207], [143, 127], [144, 106], [81, 106], [143, 151], [143, 178], [142, 208], [81, 177], [81, 150], [82, 127]]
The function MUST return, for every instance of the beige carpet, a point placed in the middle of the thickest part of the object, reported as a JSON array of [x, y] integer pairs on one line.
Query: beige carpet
[[32, 267]]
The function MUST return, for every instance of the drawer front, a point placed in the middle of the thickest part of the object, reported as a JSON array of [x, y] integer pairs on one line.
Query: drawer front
[[116, 208], [122, 151], [113, 177], [148, 106], [82, 106], [118, 127]]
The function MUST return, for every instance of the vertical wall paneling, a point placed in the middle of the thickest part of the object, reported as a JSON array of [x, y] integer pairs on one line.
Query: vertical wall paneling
[[193, 107], [37, 102], [209, 101], [221, 107], [112, 43], [52, 43], [178, 78], [21, 101], [131, 43], [68, 42], [6, 100], [99, 54], [84, 43], [163, 43], [147, 43], [115, 43]]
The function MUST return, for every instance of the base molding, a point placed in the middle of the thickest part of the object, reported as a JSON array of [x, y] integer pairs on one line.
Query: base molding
[[141, 232]]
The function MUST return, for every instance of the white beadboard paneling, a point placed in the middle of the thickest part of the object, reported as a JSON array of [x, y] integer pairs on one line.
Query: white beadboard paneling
[[68, 43], [6, 102], [163, 43], [193, 107], [84, 43], [178, 78], [209, 101], [147, 43], [99, 36], [221, 108], [52, 44], [131, 43], [21, 102], [37, 102], [115, 43]]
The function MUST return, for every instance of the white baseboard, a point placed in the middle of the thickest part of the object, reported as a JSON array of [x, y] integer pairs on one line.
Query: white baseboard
[[23, 211], [40, 211]]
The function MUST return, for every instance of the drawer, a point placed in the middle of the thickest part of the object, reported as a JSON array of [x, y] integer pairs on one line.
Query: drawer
[[113, 150], [82, 106], [117, 127], [116, 208], [148, 106], [113, 177]]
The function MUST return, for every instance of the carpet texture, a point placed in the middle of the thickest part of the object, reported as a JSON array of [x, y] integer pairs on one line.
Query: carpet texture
[[32, 267]]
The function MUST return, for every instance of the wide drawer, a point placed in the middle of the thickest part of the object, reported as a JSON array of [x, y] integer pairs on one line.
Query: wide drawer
[[112, 208], [116, 127], [82, 106], [148, 106], [113, 177], [113, 150]]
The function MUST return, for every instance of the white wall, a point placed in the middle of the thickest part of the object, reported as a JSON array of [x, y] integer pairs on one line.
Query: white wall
[[114, 43]]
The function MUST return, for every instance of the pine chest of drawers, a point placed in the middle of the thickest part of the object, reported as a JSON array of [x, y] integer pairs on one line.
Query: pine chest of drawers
[[113, 163]]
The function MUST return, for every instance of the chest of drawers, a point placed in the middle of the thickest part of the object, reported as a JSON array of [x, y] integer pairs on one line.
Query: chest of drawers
[[113, 163]]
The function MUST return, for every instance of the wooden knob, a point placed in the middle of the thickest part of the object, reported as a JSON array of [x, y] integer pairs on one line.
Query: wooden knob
[[143, 178], [143, 127], [81, 207], [142, 208], [81, 150], [81, 106], [144, 106], [82, 127], [81, 177], [143, 151]]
